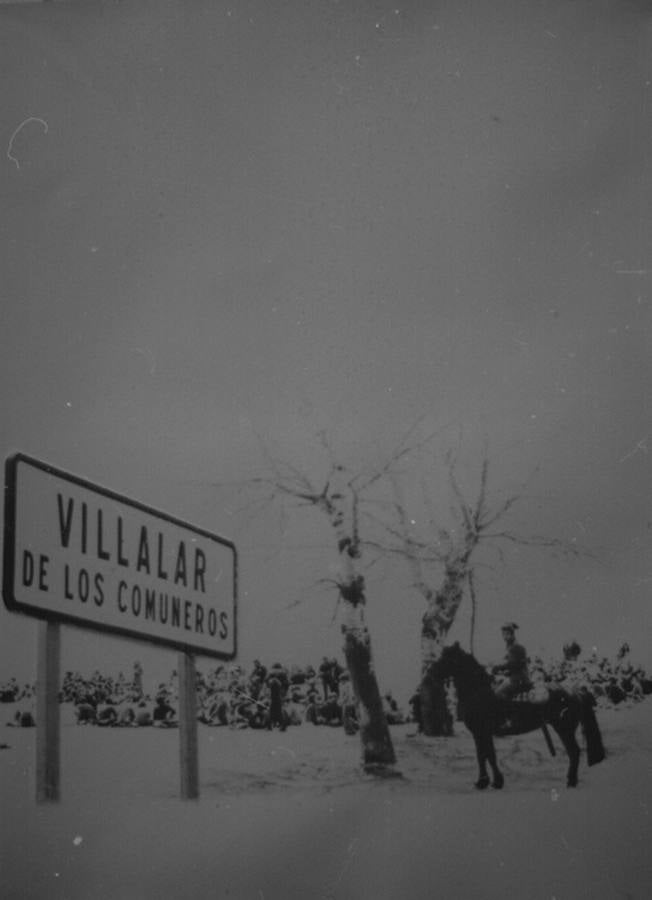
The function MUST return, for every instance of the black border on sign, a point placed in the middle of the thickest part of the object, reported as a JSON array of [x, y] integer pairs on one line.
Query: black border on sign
[[8, 573]]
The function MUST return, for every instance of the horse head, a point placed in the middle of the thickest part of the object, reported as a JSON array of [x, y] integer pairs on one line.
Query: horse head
[[451, 659]]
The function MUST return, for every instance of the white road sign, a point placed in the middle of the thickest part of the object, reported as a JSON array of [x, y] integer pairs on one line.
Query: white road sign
[[79, 553]]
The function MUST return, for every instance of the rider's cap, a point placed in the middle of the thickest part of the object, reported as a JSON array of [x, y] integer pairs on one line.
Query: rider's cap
[[509, 626]]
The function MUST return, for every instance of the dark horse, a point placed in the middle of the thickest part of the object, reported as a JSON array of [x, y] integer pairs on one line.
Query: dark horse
[[486, 716]]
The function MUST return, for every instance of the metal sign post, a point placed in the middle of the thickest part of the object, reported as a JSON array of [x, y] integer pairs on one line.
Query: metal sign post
[[189, 755], [47, 712]]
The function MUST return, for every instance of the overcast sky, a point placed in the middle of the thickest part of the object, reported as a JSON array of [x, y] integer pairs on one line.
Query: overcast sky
[[231, 223]]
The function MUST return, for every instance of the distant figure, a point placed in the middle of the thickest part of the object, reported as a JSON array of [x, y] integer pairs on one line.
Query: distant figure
[[515, 677], [164, 715], [126, 717], [22, 719], [330, 711], [259, 671], [571, 651], [415, 706], [85, 714], [623, 651], [325, 677], [137, 681], [143, 715], [348, 704], [294, 708], [336, 671], [9, 692], [276, 714], [572, 675], [312, 708], [107, 715], [393, 714]]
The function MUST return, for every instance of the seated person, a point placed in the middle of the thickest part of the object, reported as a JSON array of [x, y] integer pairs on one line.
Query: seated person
[[126, 717], [215, 710], [85, 714], [330, 711], [106, 714], [164, 715], [392, 713], [515, 677], [23, 719], [295, 708], [313, 709], [143, 715]]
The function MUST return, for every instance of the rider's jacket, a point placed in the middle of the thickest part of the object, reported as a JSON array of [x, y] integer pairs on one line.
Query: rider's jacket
[[515, 666]]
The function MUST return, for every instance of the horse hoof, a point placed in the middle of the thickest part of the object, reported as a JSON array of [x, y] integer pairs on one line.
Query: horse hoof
[[572, 782], [482, 783], [498, 783]]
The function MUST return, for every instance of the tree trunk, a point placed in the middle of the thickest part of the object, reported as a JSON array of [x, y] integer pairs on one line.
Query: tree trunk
[[474, 611], [436, 719], [377, 748]]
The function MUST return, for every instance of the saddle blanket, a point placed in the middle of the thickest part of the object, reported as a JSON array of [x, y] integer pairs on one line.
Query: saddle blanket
[[538, 693]]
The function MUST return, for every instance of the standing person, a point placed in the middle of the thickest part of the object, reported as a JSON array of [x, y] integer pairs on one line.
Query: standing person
[[259, 671], [137, 681], [336, 671], [514, 668], [348, 704], [276, 714], [415, 706], [325, 677], [280, 673], [571, 675]]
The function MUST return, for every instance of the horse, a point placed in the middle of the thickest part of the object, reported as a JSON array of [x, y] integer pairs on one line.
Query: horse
[[486, 716]]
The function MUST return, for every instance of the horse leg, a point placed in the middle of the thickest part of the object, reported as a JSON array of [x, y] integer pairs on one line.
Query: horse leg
[[566, 734], [480, 751], [498, 779]]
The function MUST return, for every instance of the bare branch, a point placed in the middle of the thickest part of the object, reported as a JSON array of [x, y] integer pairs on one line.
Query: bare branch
[[310, 498], [320, 581], [402, 449], [482, 497], [464, 508], [254, 505], [569, 548], [507, 505], [337, 603], [392, 550], [499, 513], [378, 557], [355, 529]]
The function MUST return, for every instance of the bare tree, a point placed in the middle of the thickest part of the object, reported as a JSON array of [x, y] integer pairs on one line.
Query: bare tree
[[450, 555], [341, 498]]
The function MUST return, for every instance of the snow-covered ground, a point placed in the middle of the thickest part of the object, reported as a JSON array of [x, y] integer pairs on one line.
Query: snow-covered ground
[[289, 815]]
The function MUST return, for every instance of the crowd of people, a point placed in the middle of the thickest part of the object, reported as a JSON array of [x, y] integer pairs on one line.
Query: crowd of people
[[263, 697], [279, 696], [611, 682]]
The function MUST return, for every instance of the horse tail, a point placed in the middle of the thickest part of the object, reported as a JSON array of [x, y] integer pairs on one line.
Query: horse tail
[[595, 751]]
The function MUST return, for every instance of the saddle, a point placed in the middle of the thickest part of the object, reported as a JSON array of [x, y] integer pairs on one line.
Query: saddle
[[530, 693], [535, 693]]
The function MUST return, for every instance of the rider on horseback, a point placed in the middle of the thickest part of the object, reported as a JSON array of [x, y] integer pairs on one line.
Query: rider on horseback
[[514, 670]]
